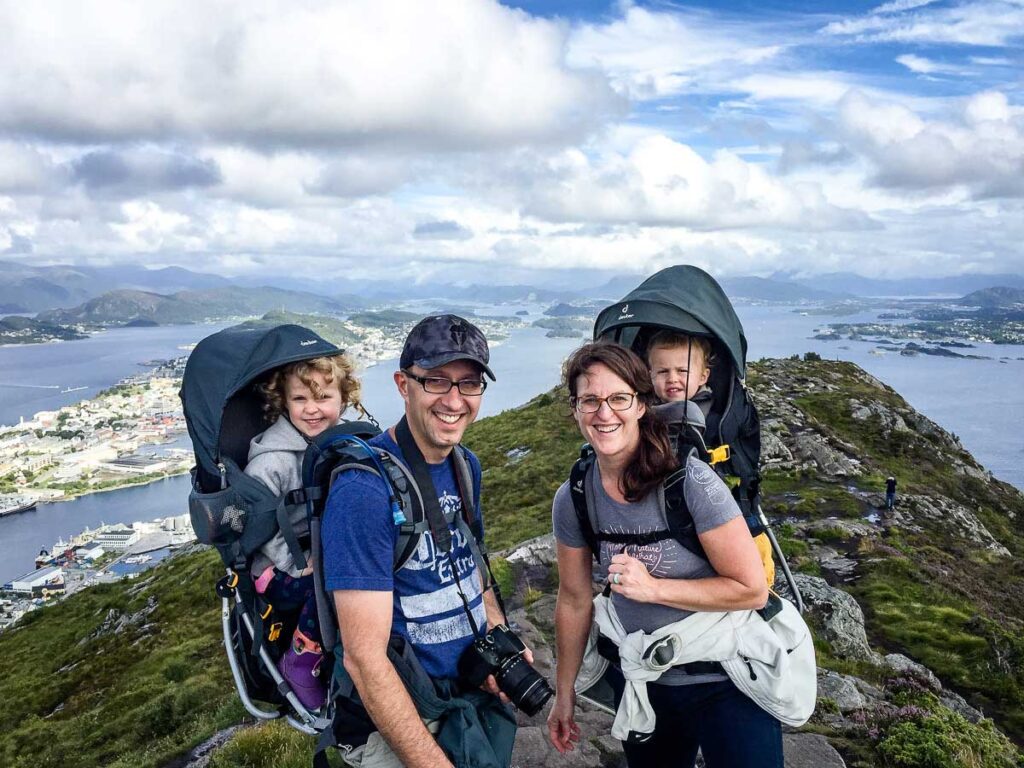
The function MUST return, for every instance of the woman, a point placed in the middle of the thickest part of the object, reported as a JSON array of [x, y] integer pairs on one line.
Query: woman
[[653, 584]]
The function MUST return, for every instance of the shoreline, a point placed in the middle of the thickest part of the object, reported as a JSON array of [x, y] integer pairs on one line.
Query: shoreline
[[72, 496]]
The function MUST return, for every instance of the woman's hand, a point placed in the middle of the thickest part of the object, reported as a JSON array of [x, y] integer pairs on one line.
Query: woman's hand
[[630, 578], [562, 728]]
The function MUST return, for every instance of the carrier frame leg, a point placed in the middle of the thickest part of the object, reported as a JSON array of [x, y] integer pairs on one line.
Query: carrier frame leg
[[302, 720]]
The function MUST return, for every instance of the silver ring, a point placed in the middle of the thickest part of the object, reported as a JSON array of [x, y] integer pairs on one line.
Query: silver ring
[[616, 578]]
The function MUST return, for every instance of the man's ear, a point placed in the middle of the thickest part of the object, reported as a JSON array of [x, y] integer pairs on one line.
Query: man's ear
[[403, 385]]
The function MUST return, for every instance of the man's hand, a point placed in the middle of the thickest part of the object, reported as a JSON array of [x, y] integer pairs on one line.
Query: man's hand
[[562, 727], [490, 685]]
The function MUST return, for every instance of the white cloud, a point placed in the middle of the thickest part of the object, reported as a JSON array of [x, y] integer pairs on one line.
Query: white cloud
[[983, 22], [664, 183], [455, 74], [924, 66], [653, 54], [24, 169], [898, 6], [982, 148]]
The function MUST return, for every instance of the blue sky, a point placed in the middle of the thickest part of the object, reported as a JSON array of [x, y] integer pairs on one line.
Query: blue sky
[[539, 141]]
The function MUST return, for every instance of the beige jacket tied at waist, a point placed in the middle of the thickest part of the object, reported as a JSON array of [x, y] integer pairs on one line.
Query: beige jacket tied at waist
[[772, 661]]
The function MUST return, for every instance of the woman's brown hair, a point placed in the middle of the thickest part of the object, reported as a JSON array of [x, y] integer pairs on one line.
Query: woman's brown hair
[[335, 369], [654, 457]]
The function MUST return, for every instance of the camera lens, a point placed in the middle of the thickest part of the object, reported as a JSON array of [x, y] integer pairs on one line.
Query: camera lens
[[524, 685]]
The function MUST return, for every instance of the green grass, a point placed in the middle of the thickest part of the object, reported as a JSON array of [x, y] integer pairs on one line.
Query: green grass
[[944, 630], [137, 698], [517, 496], [145, 697]]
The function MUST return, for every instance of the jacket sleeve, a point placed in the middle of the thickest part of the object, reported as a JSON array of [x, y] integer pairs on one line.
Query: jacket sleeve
[[276, 549]]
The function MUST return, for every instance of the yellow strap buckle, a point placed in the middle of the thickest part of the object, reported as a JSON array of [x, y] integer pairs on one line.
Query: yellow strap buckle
[[267, 612], [232, 580], [719, 454], [275, 631]]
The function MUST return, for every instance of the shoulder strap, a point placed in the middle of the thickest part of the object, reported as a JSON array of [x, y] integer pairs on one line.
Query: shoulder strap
[[470, 523], [578, 493], [439, 530], [677, 512]]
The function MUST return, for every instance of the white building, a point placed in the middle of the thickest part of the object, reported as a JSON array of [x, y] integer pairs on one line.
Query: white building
[[51, 577], [117, 539], [90, 552]]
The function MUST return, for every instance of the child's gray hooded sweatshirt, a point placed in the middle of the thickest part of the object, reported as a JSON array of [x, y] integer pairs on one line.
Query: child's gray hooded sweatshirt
[[275, 458]]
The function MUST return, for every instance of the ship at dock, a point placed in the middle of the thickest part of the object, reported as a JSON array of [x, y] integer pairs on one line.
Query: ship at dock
[[12, 504]]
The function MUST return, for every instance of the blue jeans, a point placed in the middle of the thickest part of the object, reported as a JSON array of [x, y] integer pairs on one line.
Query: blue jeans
[[728, 727]]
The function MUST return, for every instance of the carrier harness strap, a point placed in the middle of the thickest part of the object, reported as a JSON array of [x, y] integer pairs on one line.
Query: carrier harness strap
[[439, 529], [471, 524], [284, 524], [670, 497]]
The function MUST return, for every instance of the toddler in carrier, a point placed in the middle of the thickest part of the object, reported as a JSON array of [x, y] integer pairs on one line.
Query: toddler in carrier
[[302, 400], [680, 366]]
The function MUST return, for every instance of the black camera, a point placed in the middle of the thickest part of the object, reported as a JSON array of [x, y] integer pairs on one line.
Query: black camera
[[500, 653]]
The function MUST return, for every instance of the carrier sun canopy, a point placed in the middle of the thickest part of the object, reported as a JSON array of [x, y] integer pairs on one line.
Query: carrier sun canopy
[[680, 298]]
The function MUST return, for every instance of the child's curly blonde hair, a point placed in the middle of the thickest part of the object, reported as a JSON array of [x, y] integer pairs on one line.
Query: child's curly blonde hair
[[336, 368]]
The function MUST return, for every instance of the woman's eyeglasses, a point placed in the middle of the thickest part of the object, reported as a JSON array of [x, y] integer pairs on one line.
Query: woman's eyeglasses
[[617, 401]]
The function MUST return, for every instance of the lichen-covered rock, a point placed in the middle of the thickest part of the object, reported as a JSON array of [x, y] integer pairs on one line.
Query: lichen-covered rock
[[538, 551], [774, 452], [946, 514], [838, 618], [810, 750], [889, 419], [841, 689], [897, 662], [815, 450]]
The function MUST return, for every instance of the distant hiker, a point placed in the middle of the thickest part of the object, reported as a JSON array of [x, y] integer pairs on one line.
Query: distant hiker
[[890, 492], [655, 584], [436, 603], [680, 366], [302, 400]]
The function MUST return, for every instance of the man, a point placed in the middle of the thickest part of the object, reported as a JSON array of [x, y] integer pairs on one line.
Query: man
[[436, 601], [890, 492]]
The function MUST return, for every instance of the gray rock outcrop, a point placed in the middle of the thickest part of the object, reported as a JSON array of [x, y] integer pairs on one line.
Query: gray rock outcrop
[[838, 618], [946, 514]]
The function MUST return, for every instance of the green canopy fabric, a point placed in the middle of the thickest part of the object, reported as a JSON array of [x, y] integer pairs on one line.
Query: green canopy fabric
[[682, 298]]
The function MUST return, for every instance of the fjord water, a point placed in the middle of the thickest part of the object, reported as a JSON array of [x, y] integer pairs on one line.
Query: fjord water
[[34, 377], [982, 401]]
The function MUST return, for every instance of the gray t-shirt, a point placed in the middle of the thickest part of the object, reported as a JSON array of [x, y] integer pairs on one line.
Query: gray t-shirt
[[711, 505]]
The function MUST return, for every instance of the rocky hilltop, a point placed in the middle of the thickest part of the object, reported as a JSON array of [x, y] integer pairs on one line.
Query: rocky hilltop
[[916, 613]]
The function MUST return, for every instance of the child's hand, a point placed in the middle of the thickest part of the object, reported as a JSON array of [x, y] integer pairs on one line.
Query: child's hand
[[307, 571]]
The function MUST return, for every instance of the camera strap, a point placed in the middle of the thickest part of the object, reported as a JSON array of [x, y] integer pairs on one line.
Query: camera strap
[[436, 521]]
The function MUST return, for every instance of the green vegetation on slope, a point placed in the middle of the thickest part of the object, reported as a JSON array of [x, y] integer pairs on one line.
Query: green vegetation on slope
[[940, 598], [526, 453], [146, 695], [330, 328], [77, 688]]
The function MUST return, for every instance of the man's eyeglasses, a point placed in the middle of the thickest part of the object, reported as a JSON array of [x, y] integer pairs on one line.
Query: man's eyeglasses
[[438, 385], [617, 401]]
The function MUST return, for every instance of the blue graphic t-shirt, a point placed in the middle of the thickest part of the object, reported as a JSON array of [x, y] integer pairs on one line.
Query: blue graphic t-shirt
[[359, 538]]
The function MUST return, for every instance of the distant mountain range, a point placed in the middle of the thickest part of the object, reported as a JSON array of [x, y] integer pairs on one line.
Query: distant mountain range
[[994, 297], [128, 306], [27, 289], [849, 283]]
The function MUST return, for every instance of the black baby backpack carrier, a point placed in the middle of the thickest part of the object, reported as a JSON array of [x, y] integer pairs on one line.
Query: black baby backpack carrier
[[236, 513], [687, 300]]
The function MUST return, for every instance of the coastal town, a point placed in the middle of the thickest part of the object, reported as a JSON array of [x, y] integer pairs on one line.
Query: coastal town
[[130, 434], [104, 554]]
